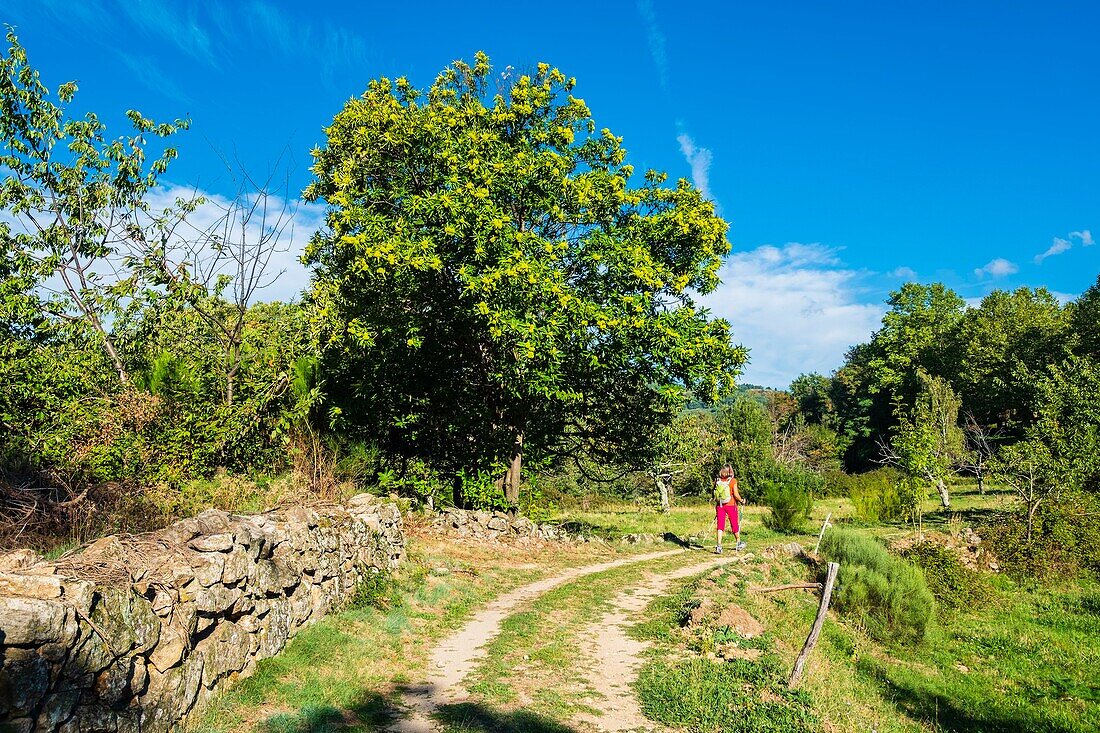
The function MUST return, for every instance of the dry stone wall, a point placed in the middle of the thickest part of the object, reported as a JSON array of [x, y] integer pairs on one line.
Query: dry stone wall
[[134, 633], [494, 526]]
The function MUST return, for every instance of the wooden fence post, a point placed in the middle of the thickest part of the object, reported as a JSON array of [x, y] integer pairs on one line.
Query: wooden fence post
[[815, 631], [822, 534]]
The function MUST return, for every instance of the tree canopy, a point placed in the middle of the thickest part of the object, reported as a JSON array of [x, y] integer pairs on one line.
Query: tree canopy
[[492, 280]]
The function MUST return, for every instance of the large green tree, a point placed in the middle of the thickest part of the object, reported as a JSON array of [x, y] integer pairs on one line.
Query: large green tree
[[918, 332], [811, 394], [1006, 345], [1084, 315], [492, 283]]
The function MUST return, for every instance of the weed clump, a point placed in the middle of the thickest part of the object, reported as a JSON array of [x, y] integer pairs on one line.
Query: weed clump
[[884, 594], [373, 591]]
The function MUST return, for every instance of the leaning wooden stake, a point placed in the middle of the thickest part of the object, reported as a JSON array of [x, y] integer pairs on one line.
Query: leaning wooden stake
[[811, 640], [789, 586], [823, 527]]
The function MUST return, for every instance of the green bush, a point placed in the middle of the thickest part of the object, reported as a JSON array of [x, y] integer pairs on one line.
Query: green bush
[[1061, 540], [884, 594], [411, 478], [481, 491], [535, 506], [953, 585], [877, 496], [791, 499]]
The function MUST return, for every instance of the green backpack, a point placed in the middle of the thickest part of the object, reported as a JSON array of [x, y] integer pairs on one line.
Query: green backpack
[[722, 492]]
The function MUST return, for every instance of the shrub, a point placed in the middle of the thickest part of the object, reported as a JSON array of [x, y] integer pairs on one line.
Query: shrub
[[953, 585], [415, 479], [884, 594], [877, 496], [373, 591], [836, 483], [535, 506], [1062, 541], [790, 498]]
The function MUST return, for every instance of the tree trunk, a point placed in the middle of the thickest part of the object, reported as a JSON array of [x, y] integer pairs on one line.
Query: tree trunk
[[123, 376], [941, 489], [511, 479], [456, 493], [981, 481], [1034, 506], [662, 487]]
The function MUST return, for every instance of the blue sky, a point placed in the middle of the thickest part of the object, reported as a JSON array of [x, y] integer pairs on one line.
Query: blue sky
[[851, 146]]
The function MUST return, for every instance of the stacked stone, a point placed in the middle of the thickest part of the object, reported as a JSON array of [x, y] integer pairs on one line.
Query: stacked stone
[[202, 603], [495, 526]]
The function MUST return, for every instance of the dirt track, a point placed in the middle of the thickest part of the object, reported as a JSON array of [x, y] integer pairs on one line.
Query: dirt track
[[456, 656]]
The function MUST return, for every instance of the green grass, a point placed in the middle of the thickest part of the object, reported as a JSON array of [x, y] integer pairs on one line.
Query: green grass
[[683, 685], [1025, 659], [1030, 661]]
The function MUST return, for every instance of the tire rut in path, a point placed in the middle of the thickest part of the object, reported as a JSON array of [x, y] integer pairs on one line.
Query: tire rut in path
[[617, 657], [457, 655]]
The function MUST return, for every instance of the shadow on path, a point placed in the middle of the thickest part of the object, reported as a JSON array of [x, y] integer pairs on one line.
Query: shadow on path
[[375, 712], [677, 540], [479, 718]]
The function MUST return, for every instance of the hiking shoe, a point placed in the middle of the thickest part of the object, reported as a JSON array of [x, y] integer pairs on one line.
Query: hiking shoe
[[741, 546], [718, 550]]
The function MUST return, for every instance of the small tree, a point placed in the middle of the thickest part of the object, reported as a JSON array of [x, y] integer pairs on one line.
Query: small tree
[[746, 432], [217, 269], [685, 455], [78, 201], [1027, 467], [980, 453], [928, 442]]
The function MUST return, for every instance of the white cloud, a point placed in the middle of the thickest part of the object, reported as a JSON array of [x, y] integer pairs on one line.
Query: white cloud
[[795, 307], [903, 273], [1085, 236], [169, 22], [998, 267], [1057, 247], [699, 159], [284, 277], [656, 42]]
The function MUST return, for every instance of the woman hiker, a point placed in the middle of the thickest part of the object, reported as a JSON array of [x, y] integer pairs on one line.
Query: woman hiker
[[726, 499]]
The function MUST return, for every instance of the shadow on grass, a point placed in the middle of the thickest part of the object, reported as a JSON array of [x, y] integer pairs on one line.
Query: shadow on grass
[[963, 713], [370, 713], [478, 718], [679, 541], [975, 517]]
